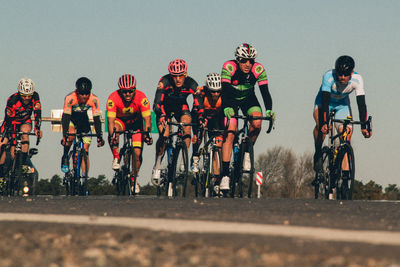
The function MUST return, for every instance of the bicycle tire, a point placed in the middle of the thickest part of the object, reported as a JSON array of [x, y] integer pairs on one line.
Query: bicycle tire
[[180, 175], [201, 181], [16, 176], [131, 183], [82, 185], [218, 158], [345, 186], [323, 178], [250, 150]]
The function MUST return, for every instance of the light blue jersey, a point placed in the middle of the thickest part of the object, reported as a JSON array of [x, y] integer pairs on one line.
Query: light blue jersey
[[339, 92]]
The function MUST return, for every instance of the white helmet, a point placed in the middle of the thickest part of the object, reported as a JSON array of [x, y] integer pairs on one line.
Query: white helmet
[[213, 82], [246, 51], [26, 86]]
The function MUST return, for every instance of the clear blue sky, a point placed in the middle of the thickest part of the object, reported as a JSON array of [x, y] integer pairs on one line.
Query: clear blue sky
[[56, 42]]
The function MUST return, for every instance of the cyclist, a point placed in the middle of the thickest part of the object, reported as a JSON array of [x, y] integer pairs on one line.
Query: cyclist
[[213, 116], [75, 119], [126, 110], [19, 109], [239, 77], [334, 92], [172, 92]]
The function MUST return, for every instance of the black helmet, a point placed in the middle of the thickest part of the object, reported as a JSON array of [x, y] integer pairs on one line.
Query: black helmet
[[83, 85], [344, 65]]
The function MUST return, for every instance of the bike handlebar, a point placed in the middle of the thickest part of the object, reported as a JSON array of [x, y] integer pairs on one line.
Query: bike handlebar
[[252, 118]]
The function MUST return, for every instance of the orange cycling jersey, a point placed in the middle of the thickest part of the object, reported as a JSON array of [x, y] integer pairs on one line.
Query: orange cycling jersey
[[211, 107], [118, 108], [73, 107]]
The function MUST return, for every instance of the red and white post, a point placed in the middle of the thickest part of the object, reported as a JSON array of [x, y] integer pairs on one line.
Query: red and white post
[[259, 180]]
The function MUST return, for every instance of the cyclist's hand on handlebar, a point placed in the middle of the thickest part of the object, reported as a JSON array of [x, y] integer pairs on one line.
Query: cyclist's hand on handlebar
[[100, 141], [271, 114], [194, 139], [163, 122], [38, 133], [366, 133], [64, 141], [229, 112], [324, 128], [148, 139]]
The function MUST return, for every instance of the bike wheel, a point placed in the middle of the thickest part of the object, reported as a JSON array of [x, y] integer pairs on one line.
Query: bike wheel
[[180, 170], [216, 168], [16, 179], [131, 177], [323, 179], [82, 182], [250, 150], [345, 184], [201, 179]]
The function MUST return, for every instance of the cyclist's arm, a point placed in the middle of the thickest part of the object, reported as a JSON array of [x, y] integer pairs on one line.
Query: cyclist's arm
[[111, 125], [362, 110], [37, 111], [97, 126], [65, 120], [266, 96], [227, 95], [158, 105], [326, 98]]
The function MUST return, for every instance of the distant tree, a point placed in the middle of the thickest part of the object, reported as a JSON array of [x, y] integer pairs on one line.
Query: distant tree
[[284, 174], [53, 187], [100, 186], [372, 191], [150, 189], [392, 192]]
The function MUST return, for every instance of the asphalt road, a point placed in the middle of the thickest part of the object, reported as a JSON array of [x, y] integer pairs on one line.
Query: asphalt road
[[146, 231]]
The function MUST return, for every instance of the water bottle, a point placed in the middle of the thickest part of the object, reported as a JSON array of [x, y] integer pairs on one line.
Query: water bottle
[[169, 154], [235, 152], [246, 161]]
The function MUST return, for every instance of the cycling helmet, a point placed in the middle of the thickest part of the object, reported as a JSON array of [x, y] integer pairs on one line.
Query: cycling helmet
[[26, 86], [83, 85], [127, 81], [245, 51], [177, 67], [344, 65], [213, 82]]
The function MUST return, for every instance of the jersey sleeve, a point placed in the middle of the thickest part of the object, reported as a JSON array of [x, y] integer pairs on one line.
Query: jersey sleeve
[[94, 104], [158, 105], [111, 106], [359, 84], [327, 82], [260, 74], [144, 105], [228, 69], [68, 103]]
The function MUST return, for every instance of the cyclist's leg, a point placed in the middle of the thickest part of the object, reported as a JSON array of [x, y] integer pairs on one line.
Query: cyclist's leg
[[227, 147], [319, 137], [342, 113], [163, 130], [25, 128], [252, 107], [84, 167], [114, 144], [187, 130]]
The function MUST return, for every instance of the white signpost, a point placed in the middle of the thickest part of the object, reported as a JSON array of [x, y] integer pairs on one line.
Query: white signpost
[[259, 180]]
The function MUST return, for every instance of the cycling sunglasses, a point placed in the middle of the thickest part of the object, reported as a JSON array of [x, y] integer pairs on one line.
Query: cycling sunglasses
[[128, 91], [84, 92], [244, 60]]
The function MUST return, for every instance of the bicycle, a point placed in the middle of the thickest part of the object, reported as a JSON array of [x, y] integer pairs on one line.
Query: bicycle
[[331, 175], [75, 180], [125, 177], [174, 176], [243, 157], [208, 169], [19, 180]]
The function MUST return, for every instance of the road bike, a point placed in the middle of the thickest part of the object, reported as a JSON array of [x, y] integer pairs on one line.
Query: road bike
[[175, 170], [335, 175], [75, 180], [125, 177], [242, 169], [209, 164], [21, 179]]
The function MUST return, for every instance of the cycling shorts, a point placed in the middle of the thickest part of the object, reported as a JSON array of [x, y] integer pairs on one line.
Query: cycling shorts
[[247, 106], [137, 139], [82, 129]]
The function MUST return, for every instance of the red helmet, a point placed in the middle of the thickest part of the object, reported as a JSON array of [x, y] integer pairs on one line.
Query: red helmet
[[177, 67], [127, 81]]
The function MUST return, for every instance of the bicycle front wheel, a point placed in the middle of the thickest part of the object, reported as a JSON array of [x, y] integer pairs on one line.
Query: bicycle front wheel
[[82, 183], [131, 175], [180, 170], [346, 172], [323, 180]]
